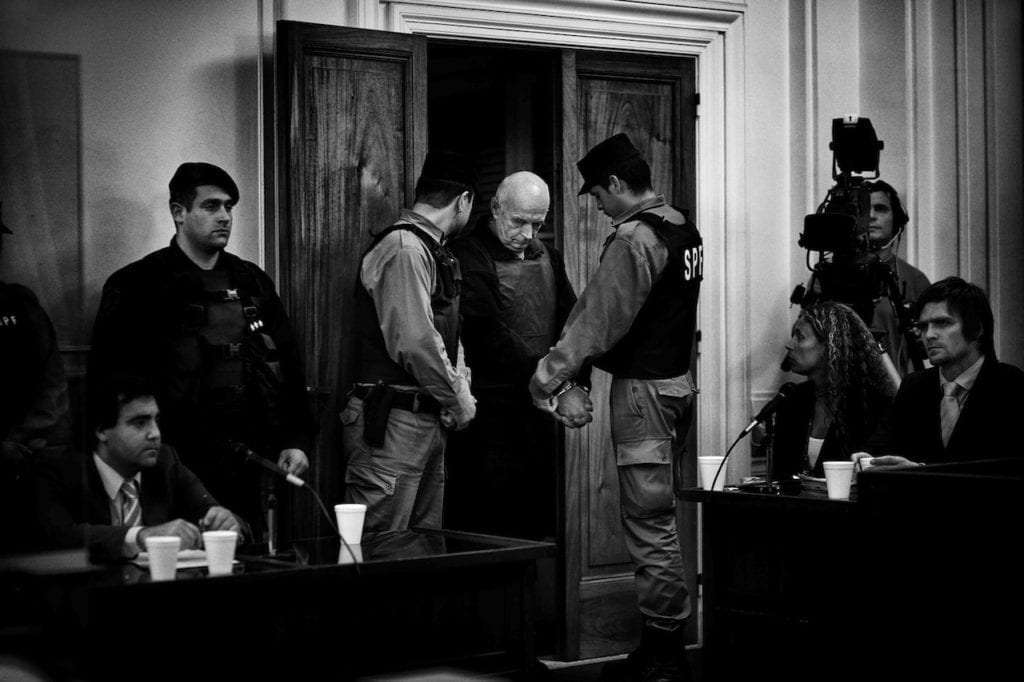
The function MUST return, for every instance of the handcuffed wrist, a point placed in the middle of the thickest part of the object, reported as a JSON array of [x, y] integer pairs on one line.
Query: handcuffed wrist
[[564, 388]]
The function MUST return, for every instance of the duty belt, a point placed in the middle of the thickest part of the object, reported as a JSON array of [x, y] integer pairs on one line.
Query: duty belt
[[405, 400]]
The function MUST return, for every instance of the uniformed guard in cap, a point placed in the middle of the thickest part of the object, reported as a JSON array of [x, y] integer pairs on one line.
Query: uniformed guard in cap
[[33, 404], [604, 158], [407, 390], [636, 320], [209, 331]]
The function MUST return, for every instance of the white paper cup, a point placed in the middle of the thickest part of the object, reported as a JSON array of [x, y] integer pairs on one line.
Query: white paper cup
[[220, 550], [838, 476], [708, 467], [163, 556], [350, 522]]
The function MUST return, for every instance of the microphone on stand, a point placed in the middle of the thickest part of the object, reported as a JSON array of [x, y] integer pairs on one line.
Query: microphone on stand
[[785, 391], [768, 410], [243, 450]]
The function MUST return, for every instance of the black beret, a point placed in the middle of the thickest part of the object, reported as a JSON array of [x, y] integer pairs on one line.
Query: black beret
[[597, 165], [192, 174], [449, 166]]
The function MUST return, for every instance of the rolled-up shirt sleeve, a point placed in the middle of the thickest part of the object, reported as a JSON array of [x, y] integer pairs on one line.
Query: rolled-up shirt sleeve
[[606, 308], [399, 276]]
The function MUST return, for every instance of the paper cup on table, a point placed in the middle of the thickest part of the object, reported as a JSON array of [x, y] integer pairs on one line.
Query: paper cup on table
[[708, 468], [220, 550], [838, 477], [163, 556], [350, 522]]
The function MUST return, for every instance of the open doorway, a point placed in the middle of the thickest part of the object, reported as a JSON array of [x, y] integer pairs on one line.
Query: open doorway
[[496, 103], [353, 120]]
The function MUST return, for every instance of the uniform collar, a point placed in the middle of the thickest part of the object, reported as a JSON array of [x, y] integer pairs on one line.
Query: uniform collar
[[422, 222], [653, 202], [184, 260]]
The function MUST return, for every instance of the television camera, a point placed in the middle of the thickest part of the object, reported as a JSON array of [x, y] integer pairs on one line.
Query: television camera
[[847, 269]]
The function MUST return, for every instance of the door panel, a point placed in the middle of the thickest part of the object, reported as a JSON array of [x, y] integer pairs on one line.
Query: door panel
[[352, 136], [650, 99]]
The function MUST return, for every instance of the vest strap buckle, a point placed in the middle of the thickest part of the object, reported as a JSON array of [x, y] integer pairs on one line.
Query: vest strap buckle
[[231, 351]]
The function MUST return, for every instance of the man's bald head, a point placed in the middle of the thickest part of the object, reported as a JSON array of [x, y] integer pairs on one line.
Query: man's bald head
[[519, 208]]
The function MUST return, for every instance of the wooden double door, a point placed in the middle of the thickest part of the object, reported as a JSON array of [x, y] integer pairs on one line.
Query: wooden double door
[[353, 130]]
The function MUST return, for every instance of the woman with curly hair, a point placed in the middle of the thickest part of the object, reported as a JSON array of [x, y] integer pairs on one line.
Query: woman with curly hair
[[848, 390]]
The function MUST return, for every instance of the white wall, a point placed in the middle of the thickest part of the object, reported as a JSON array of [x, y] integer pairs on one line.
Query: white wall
[[161, 83]]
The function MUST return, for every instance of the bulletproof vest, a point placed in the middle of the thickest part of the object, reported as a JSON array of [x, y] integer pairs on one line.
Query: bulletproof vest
[[220, 361], [527, 292], [658, 344], [20, 367], [373, 363]]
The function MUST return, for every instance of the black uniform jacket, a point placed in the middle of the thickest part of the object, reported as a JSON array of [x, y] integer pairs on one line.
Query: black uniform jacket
[[139, 315]]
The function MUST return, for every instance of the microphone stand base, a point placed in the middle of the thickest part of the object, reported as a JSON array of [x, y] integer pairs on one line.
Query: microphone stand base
[[761, 486]]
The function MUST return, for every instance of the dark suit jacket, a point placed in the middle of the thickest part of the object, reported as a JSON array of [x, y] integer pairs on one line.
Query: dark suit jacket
[[793, 421], [73, 509], [988, 426]]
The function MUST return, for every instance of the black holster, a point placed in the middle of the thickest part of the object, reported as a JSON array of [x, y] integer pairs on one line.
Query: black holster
[[376, 409]]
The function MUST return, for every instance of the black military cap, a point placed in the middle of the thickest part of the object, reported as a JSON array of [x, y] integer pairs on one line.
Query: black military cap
[[449, 166], [192, 174], [3, 228], [597, 165]]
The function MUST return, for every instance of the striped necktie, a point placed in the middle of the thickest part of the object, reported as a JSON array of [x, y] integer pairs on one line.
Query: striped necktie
[[131, 510]]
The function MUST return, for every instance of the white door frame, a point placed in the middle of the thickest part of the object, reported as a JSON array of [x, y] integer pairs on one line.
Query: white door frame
[[715, 38]]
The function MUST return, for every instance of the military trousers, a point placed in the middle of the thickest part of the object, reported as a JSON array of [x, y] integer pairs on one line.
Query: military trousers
[[649, 422], [401, 483]]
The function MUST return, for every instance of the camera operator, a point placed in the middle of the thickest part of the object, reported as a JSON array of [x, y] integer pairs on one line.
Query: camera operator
[[888, 223]]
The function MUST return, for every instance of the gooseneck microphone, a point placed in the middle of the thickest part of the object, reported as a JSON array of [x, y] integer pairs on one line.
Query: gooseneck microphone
[[243, 450], [768, 410], [785, 391]]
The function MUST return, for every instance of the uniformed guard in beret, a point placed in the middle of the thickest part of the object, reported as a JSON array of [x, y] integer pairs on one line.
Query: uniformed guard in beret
[[33, 404], [209, 331], [407, 389], [636, 320]]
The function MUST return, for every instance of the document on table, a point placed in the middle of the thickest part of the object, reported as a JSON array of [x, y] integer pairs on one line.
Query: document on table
[[818, 485], [187, 558]]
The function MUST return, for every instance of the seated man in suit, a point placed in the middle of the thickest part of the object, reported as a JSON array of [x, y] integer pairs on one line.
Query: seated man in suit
[[132, 486], [968, 405]]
